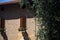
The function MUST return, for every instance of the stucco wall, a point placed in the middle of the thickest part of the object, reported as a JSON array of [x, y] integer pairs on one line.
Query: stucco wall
[[12, 15]]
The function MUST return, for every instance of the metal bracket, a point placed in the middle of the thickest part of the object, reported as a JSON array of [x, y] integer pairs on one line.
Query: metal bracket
[[2, 29], [22, 29]]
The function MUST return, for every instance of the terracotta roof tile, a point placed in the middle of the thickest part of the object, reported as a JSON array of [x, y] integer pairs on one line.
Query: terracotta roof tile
[[9, 2]]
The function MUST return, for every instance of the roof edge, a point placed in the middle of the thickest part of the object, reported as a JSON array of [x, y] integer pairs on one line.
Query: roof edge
[[11, 2]]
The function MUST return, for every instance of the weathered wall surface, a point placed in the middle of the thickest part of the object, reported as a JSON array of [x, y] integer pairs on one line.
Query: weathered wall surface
[[12, 15]]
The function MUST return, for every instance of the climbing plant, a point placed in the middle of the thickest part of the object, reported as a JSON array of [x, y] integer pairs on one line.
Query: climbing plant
[[48, 14]]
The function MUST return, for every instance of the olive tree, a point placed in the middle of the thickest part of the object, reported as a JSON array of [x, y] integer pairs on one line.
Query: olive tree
[[48, 14]]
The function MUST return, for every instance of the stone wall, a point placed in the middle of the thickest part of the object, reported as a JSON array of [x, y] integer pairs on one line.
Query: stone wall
[[12, 15]]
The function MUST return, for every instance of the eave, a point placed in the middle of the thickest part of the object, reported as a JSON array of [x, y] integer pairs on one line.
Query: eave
[[10, 2]]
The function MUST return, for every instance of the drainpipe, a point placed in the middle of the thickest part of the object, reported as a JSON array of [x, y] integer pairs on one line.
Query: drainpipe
[[2, 25], [23, 28], [22, 24], [2, 29]]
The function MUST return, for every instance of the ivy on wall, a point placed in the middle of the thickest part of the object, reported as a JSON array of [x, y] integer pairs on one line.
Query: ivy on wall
[[48, 14]]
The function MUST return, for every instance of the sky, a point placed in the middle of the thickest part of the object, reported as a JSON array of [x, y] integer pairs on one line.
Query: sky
[[4, 1]]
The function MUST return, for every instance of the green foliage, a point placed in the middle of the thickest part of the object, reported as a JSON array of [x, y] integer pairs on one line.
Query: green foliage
[[48, 14]]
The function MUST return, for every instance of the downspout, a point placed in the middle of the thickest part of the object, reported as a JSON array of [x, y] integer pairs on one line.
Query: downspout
[[2, 29], [23, 24], [23, 28]]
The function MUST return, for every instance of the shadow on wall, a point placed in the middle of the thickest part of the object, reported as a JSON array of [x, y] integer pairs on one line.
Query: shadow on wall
[[2, 27], [25, 35]]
